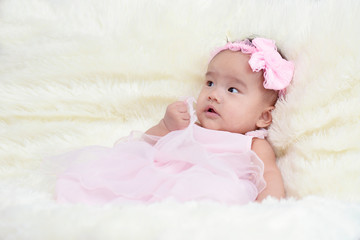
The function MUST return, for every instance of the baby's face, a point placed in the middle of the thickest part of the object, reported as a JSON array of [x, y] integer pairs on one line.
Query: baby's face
[[232, 96]]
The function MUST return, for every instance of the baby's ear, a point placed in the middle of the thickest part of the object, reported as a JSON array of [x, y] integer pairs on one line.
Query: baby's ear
[[265, 118]]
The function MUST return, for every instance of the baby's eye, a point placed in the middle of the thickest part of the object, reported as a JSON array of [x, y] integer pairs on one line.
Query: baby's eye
[[233, 90], [209, 83]]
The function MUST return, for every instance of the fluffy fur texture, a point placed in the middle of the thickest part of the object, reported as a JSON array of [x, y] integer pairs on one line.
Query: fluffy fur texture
[[76, 73]]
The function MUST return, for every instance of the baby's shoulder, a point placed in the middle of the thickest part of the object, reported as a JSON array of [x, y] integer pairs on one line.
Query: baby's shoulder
[[264, 150], [260, 143]]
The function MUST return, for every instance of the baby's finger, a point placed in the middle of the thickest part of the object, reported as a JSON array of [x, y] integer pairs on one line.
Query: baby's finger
[[182, 107], [185, 116], [186, 123]]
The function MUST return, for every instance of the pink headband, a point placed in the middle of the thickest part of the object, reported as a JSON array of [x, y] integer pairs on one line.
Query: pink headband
[[278, 72]]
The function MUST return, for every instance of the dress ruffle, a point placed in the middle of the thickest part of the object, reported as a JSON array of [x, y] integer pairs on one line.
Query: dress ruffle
[[190, 164], [176, 166]]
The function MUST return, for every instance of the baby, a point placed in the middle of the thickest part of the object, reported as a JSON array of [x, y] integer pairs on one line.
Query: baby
[[236, 99], [216, 152]]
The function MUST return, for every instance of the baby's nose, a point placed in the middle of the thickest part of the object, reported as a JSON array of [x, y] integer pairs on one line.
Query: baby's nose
[[215, 95]]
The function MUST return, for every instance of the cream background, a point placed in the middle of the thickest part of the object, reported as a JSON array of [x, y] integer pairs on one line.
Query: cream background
[[76, 73]]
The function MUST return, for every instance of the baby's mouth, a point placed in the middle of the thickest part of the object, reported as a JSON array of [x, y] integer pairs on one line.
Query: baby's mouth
[[211, 111]]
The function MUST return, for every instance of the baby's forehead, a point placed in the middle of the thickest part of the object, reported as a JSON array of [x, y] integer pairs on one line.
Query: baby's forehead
[[231, 55], [230, 60], [234, 64]]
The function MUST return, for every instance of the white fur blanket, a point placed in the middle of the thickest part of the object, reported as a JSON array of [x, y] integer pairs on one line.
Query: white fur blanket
[[76, 73]]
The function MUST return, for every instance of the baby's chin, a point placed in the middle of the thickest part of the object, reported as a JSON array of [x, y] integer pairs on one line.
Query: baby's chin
[[210, 126], [217, 127]]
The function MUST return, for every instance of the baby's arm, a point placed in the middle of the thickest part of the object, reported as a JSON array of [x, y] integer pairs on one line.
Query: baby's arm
[[272, 175], [176, 117]]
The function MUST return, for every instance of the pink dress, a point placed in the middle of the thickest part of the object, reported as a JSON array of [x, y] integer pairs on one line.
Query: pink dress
[[190, 164]]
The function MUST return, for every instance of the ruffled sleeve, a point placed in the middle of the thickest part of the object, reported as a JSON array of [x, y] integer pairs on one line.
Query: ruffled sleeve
[[256, 174], [261, 133]]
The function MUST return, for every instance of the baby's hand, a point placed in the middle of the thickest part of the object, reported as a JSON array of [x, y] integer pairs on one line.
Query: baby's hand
[[177, 116]]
